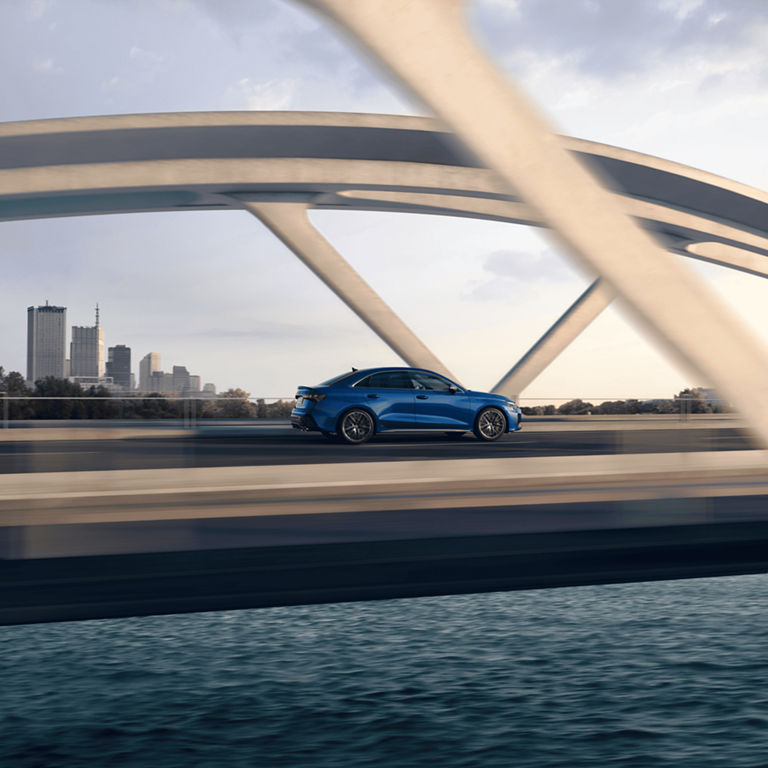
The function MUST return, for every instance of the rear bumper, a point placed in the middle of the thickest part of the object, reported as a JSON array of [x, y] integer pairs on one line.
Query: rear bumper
[[304, 422]]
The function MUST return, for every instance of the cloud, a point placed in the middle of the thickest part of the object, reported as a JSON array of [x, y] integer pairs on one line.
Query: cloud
[[35, 9], [611, 40], [112, 84], [271, 94], [681, 9], [47, 65], [507, 270], [144, 56], [527, 266], [271, 330]]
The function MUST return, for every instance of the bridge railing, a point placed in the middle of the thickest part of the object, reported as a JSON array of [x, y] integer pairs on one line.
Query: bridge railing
[[191, 411], [135, 408]]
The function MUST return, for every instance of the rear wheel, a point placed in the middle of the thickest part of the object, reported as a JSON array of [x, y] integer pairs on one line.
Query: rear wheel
[[356, 426], [490, 424]]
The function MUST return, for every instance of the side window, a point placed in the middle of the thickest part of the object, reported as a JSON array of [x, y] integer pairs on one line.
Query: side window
[[389, 380], [400, 380], [428, 381]]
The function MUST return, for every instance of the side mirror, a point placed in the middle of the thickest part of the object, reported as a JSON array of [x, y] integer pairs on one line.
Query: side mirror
[[453, 390]]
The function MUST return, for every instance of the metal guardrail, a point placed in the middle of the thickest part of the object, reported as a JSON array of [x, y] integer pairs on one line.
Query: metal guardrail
[[684, 411], [190, 413]]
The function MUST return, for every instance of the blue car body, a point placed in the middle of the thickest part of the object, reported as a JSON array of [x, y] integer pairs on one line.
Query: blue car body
[[398, 399]]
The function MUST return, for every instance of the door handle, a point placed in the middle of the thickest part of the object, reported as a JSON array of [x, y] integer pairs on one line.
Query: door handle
[[373, 397], [422, 397]]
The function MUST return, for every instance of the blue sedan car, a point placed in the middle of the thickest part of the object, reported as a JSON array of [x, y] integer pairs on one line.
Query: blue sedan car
[[357, 405]]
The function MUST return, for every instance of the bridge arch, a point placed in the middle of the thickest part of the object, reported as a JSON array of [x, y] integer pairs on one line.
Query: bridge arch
[[279, 164]]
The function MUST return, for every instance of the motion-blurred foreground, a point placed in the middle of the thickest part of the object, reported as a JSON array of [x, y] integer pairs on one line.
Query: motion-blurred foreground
[[121, 520]]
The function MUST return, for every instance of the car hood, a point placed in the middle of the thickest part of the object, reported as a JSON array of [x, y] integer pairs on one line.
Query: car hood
[[489, 396]]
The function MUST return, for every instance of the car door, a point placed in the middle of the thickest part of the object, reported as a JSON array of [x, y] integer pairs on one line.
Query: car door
[[439, 404], [389, 394]]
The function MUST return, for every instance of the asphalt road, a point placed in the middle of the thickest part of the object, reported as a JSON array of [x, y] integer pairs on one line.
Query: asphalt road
[[281, 445]]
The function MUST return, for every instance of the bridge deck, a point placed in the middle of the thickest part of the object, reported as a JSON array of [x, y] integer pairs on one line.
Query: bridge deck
[[96, 544]]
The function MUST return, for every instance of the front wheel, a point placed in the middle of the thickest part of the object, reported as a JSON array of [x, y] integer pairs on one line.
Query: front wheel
[[356, 426], [490, 424]]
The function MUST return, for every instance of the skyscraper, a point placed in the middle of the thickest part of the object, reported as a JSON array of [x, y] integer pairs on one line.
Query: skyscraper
[[180, 378], [86, 355], [119, 365], [46, 341], [148, 365]]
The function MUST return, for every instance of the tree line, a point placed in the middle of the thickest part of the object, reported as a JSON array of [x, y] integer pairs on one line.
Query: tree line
[[97, 402], [691, 400]]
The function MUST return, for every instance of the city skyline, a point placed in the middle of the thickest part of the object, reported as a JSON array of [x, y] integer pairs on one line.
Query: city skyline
[[670, 78], [46, 350]]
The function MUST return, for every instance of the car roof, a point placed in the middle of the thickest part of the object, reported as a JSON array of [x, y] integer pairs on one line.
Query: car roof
[[383, 368], [344, 379]]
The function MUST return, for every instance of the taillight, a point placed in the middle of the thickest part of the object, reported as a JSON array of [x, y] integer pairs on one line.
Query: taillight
[[315, 397]]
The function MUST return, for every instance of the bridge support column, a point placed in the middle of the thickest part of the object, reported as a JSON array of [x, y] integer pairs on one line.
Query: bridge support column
[[427, 46], [570, 324], [290, 223]]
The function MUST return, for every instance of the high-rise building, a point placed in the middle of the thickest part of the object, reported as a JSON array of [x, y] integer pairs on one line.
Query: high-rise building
[[160, 382], [148, 365], [86, 351], [119, 365], [46, 341], [180, 378]]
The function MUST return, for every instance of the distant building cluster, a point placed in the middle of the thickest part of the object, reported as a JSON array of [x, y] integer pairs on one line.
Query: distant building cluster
[[152, 378], [86, 364]]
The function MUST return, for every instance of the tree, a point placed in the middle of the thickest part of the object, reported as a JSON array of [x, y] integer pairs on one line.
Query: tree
[[63, 407], [13, 386], [16, 385], [100, 408], [233, 404], [280, 409], [153, 406], [610, 407], [575, 407], [236, 393], [692, 400]]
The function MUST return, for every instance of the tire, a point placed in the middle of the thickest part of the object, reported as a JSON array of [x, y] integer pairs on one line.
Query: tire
[[356, 426], [490, 424]]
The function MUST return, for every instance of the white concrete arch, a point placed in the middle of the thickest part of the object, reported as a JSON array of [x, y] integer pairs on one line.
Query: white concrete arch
[[224, 160], [186, 161]]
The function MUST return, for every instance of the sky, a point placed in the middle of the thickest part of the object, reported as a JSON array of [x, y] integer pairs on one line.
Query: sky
[[685, 80]]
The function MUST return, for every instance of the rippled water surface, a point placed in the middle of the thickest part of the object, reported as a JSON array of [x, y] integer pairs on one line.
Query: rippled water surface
[[662, 674]]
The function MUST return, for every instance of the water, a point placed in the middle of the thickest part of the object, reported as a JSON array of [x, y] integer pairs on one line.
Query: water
[[662, 674]]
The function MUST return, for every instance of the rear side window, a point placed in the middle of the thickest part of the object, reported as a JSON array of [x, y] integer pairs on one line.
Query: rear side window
[[337, 379], [388, 380]]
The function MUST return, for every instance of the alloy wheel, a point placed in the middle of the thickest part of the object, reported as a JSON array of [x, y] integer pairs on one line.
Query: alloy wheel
[[490, 424], [356, 426]]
